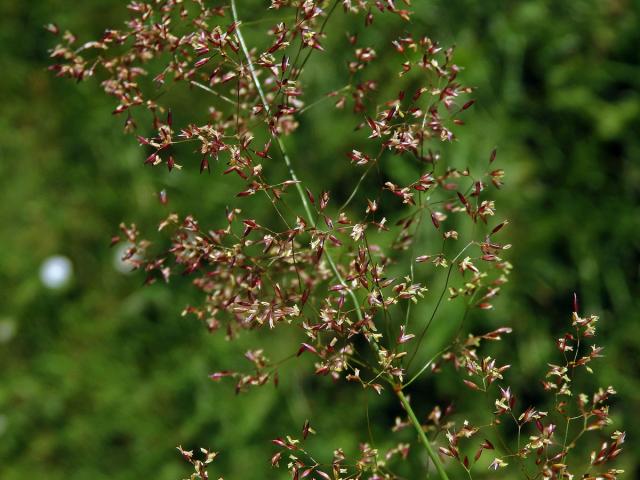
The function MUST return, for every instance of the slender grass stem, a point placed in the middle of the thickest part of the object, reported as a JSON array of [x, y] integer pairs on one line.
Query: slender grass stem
[[285, 156], [212, 91], [403, 399], [423, 437]]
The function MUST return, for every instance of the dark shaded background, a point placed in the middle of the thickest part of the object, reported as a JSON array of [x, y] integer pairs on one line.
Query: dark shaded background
[[104, 378]]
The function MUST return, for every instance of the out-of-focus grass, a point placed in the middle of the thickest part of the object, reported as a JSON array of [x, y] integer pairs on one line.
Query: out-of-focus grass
[[104, 378]]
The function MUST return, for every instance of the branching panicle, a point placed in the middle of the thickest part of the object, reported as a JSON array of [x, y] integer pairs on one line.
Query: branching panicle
[[335, 273]]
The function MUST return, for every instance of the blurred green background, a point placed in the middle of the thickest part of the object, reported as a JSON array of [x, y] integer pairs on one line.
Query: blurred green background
[[103, 379]]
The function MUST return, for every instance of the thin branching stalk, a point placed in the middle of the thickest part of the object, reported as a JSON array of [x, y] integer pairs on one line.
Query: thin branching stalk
[[414, 420], [423, 437], [287, 160], [255, 275]]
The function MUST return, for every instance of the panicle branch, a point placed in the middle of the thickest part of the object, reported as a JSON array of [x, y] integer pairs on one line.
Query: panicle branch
[[345, 269]]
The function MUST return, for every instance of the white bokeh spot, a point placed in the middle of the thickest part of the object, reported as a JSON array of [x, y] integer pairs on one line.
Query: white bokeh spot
[[56, 271], [119, 264]]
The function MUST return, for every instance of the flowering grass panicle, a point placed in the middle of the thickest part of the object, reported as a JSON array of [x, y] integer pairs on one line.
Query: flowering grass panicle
[[342, 271]]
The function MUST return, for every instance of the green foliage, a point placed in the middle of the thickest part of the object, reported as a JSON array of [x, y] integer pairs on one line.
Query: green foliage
[[104, 379]]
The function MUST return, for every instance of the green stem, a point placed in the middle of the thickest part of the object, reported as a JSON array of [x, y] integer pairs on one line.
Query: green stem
[[213, 92], [414, 420], [425, 441], [263, 97], [324, 24], [286, 158]]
